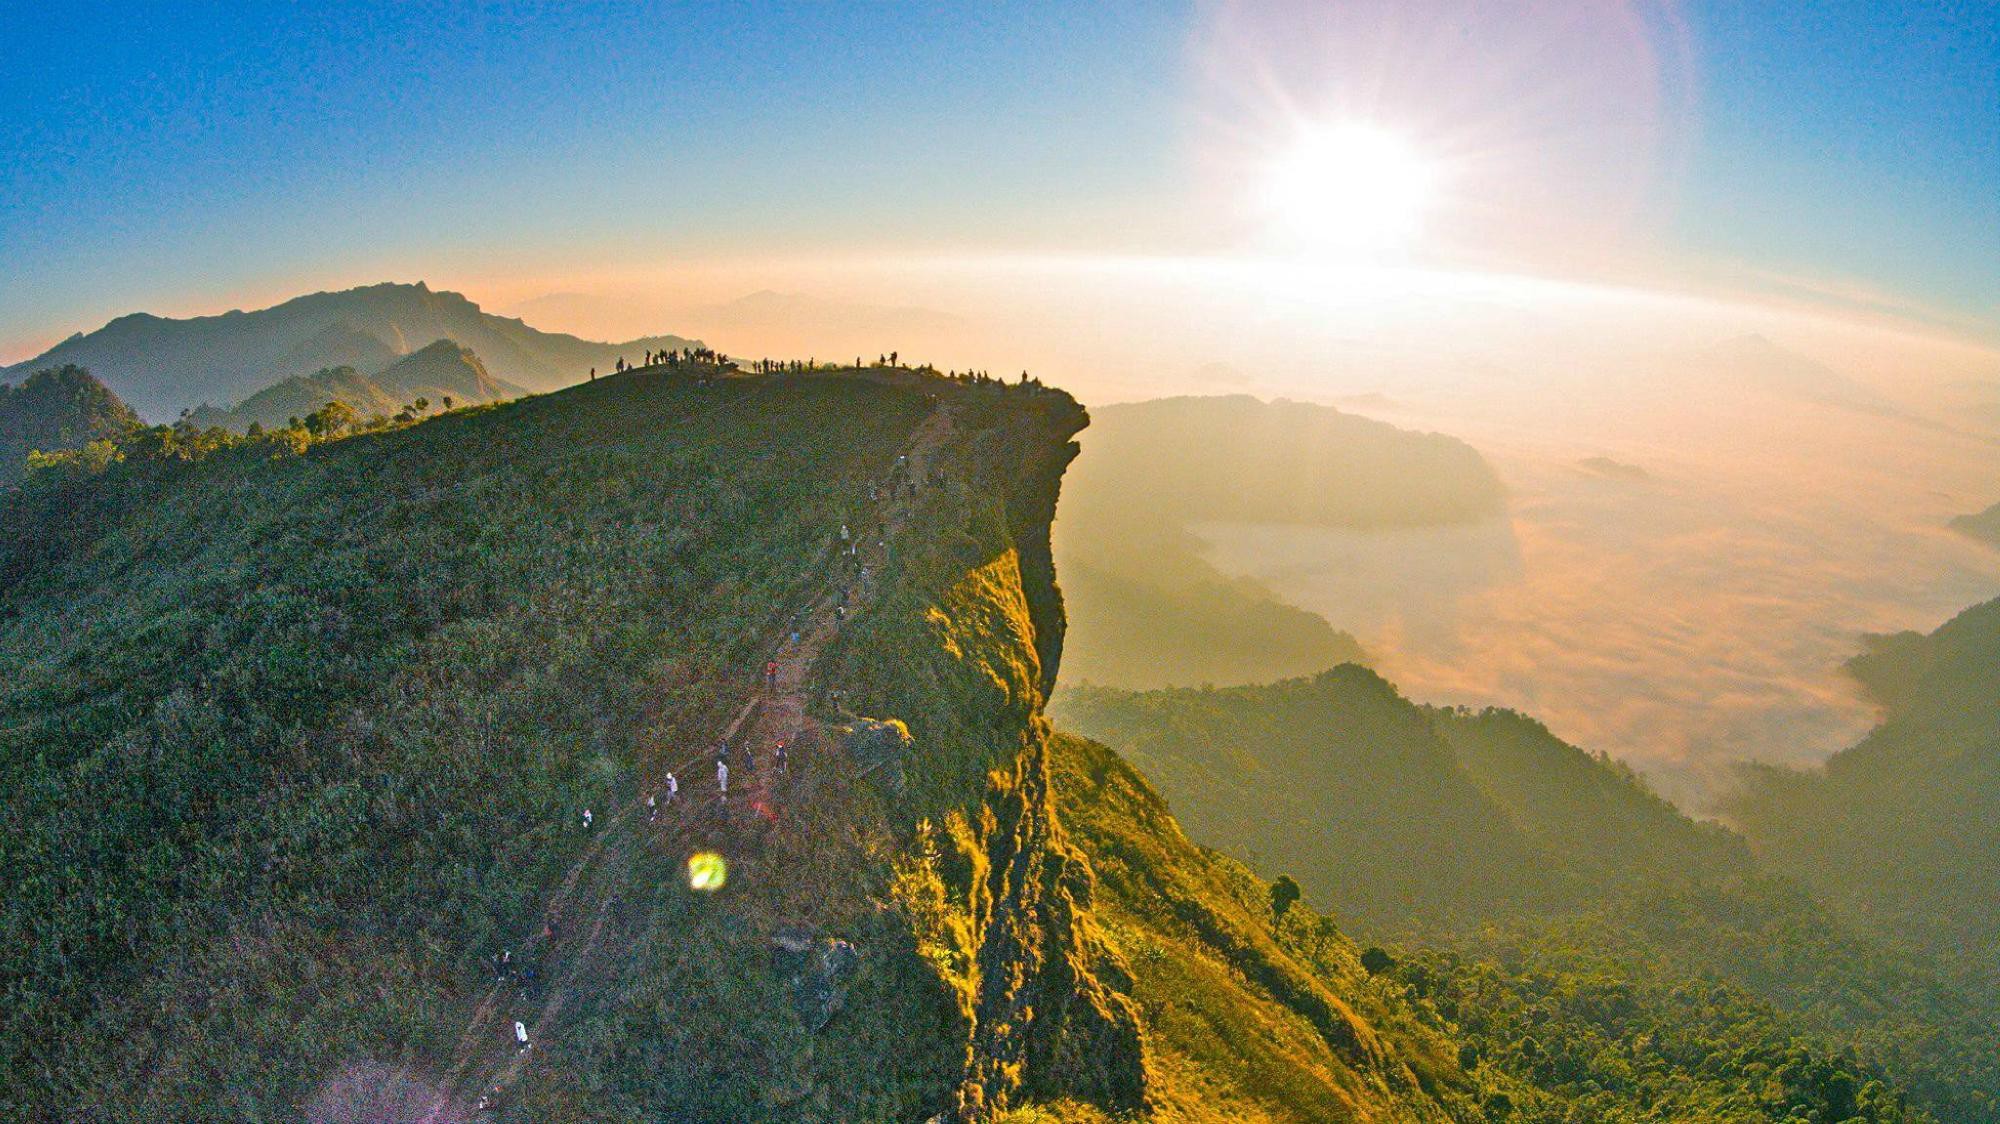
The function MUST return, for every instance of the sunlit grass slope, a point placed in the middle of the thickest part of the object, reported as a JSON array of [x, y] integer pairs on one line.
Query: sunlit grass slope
[[288, 745]]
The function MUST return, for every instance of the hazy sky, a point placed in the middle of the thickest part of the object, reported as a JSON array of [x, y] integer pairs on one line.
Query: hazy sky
[[190, 157]]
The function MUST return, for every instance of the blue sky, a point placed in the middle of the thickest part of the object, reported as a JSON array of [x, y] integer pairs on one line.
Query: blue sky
[[169, 156]]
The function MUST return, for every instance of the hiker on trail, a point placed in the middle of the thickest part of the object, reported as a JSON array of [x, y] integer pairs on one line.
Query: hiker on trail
[[673, 788], [771, 677], [586, 819], [722, 779], [843, 532], [503, 964], [839, 613], [593, 374], [652, 808], [520, 1037], [778, 757]]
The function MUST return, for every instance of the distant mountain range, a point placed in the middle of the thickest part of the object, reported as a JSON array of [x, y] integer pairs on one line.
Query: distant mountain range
[[163, 366]]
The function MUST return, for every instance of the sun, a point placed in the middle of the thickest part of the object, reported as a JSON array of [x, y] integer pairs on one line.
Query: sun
[[1348, 188]]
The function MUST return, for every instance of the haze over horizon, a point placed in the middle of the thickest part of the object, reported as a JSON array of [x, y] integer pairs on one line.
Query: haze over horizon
[[1672, 146]]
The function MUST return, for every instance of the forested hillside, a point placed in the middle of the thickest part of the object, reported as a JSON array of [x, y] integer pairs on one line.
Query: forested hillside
[[1390, 814], [1902, 831], [54, 410]]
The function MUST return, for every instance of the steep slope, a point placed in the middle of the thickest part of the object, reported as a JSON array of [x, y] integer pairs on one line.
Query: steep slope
[[55, 409], [1249, 1018], [1902, 831], [163, 365], [1392, 814], [296, 747]]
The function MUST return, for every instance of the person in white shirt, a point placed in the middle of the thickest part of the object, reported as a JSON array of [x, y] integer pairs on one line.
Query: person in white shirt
[[520, 1037], [722, 778]]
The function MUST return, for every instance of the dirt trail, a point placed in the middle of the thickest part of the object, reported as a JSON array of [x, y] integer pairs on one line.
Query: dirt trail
[[484, 1063]]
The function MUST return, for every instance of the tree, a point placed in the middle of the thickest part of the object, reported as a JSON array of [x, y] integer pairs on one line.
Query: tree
[[331, 420], [446, 403], [1375, 961], [423, 405], [1284, 894]]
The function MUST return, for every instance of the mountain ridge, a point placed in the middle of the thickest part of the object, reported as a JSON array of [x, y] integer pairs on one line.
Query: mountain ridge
[[164, 365]]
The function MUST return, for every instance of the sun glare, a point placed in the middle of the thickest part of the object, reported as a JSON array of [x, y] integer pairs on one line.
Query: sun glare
[[1349, 188]]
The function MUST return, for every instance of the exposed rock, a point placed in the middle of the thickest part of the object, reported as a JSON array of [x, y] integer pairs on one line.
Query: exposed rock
[[817, 968], [879, 749]]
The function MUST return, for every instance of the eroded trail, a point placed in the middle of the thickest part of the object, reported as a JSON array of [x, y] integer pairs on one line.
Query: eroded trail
[[579, 956]]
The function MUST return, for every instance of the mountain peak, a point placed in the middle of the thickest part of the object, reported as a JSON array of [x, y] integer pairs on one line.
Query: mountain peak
[[162, 365]]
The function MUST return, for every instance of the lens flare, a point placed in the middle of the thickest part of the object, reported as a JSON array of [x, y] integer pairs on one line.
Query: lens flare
[[707, 871]]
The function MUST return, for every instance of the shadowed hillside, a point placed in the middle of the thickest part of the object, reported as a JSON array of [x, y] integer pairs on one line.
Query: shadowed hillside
[[54, 410], [442, 376], [1902, 831], [1391, 814], [300, 395]]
